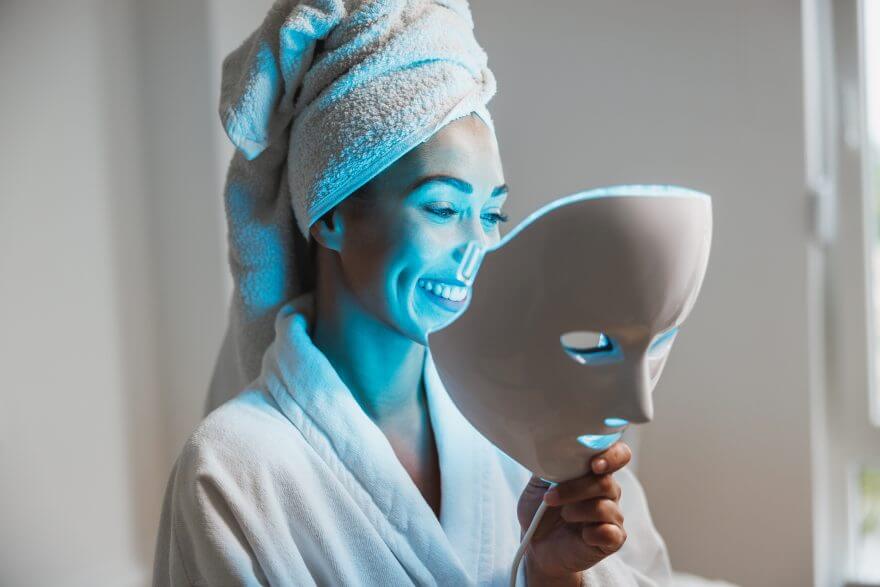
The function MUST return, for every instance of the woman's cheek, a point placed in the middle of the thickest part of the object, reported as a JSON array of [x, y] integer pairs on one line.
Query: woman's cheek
[[424, 243]]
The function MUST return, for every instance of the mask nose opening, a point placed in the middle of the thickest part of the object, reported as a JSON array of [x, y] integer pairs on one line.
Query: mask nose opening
[[616, 422]]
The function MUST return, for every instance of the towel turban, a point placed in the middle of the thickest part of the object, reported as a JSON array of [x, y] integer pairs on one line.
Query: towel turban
[[321, 98]]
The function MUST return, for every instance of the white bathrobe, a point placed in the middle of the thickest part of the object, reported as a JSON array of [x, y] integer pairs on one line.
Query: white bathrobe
[[290, 483]]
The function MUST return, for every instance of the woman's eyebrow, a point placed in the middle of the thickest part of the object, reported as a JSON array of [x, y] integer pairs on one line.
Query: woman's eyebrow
[[458, 183], [502, 189]]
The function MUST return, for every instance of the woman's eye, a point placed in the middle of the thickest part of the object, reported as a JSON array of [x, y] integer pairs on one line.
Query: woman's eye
[[494, 218], [442, 210], [448, 211]]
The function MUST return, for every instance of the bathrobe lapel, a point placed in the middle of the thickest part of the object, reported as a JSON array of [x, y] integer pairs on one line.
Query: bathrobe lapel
[[455, 550], [466, 514]]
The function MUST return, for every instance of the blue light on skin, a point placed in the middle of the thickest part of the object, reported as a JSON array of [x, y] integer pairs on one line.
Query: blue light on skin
[[409, 227], [410, 223]]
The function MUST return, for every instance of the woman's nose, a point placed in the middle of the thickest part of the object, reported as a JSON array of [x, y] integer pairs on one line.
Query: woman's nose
[[471, 234]]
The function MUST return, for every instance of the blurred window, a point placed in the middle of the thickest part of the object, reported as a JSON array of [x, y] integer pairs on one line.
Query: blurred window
[[865, 500], [842, 65], [870, 23], [867, 523]]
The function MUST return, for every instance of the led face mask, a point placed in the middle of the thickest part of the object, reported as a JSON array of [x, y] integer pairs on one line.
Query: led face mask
[[571, 320]]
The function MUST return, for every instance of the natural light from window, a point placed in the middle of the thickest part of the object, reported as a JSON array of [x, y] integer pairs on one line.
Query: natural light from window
[[871, 24], [867, 527]]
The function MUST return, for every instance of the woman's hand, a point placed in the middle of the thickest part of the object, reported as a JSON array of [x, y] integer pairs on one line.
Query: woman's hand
[[583, 525]]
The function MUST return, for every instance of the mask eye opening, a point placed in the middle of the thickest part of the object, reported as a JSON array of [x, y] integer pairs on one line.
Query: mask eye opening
[[603, 345], [587, 347]]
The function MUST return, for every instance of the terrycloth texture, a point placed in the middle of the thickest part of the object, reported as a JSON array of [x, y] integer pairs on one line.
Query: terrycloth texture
[[318, 100], [290, 483]]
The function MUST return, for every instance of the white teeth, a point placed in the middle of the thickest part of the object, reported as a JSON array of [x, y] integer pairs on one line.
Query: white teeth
[[455, 293]]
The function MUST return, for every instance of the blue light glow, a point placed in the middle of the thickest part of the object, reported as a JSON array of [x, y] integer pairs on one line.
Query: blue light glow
[[264, 257], [599, 441], [615, 422], [662, 344]]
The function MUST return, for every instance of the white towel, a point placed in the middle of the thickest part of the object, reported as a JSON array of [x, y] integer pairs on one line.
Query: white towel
[[323, 96]]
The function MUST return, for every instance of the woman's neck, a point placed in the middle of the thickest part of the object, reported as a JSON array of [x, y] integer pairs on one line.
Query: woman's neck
[[381, 367]]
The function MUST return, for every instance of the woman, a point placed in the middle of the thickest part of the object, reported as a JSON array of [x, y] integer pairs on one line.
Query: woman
[[344, 461]]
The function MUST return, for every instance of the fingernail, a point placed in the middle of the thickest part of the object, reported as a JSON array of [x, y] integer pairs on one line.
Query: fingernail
[[600, 465], [551, 496]]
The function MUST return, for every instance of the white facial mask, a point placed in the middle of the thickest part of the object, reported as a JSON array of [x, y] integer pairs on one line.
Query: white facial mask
[[571, 320]]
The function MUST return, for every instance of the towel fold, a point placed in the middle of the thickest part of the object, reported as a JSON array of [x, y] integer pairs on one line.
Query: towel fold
[[322, 97]]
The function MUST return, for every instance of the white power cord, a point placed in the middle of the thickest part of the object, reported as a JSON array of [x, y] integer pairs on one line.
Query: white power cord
[[536, 519]]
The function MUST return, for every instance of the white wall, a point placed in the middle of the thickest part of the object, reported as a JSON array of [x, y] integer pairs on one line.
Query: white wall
[[78, 421], [112, 270], [184, 176], [706, 94]]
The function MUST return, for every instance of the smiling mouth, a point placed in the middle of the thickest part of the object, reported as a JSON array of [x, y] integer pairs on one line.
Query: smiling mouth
[[448, 295]]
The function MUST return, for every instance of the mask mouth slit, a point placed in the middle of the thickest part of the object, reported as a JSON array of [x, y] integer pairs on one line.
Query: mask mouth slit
[[599, 441]]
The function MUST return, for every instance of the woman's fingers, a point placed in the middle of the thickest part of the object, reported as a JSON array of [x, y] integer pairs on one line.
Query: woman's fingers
[[593, 511], [598, 484], [582, 488], [613, 459], [608, 538]]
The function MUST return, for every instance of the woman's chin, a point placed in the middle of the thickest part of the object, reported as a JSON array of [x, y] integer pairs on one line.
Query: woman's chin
[[428, 317], [435, 325], [423, 327]]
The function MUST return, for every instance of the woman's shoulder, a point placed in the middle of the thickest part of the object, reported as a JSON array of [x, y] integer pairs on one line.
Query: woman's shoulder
[[246, 434], [245, 472]]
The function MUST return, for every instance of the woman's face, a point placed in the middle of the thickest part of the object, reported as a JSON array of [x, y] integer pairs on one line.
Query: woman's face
[[399, 246]]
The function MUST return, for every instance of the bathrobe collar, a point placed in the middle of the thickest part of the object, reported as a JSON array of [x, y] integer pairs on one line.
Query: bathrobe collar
[[454, 550]]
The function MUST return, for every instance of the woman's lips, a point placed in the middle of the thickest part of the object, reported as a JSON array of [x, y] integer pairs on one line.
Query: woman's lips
[[440, 293]]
